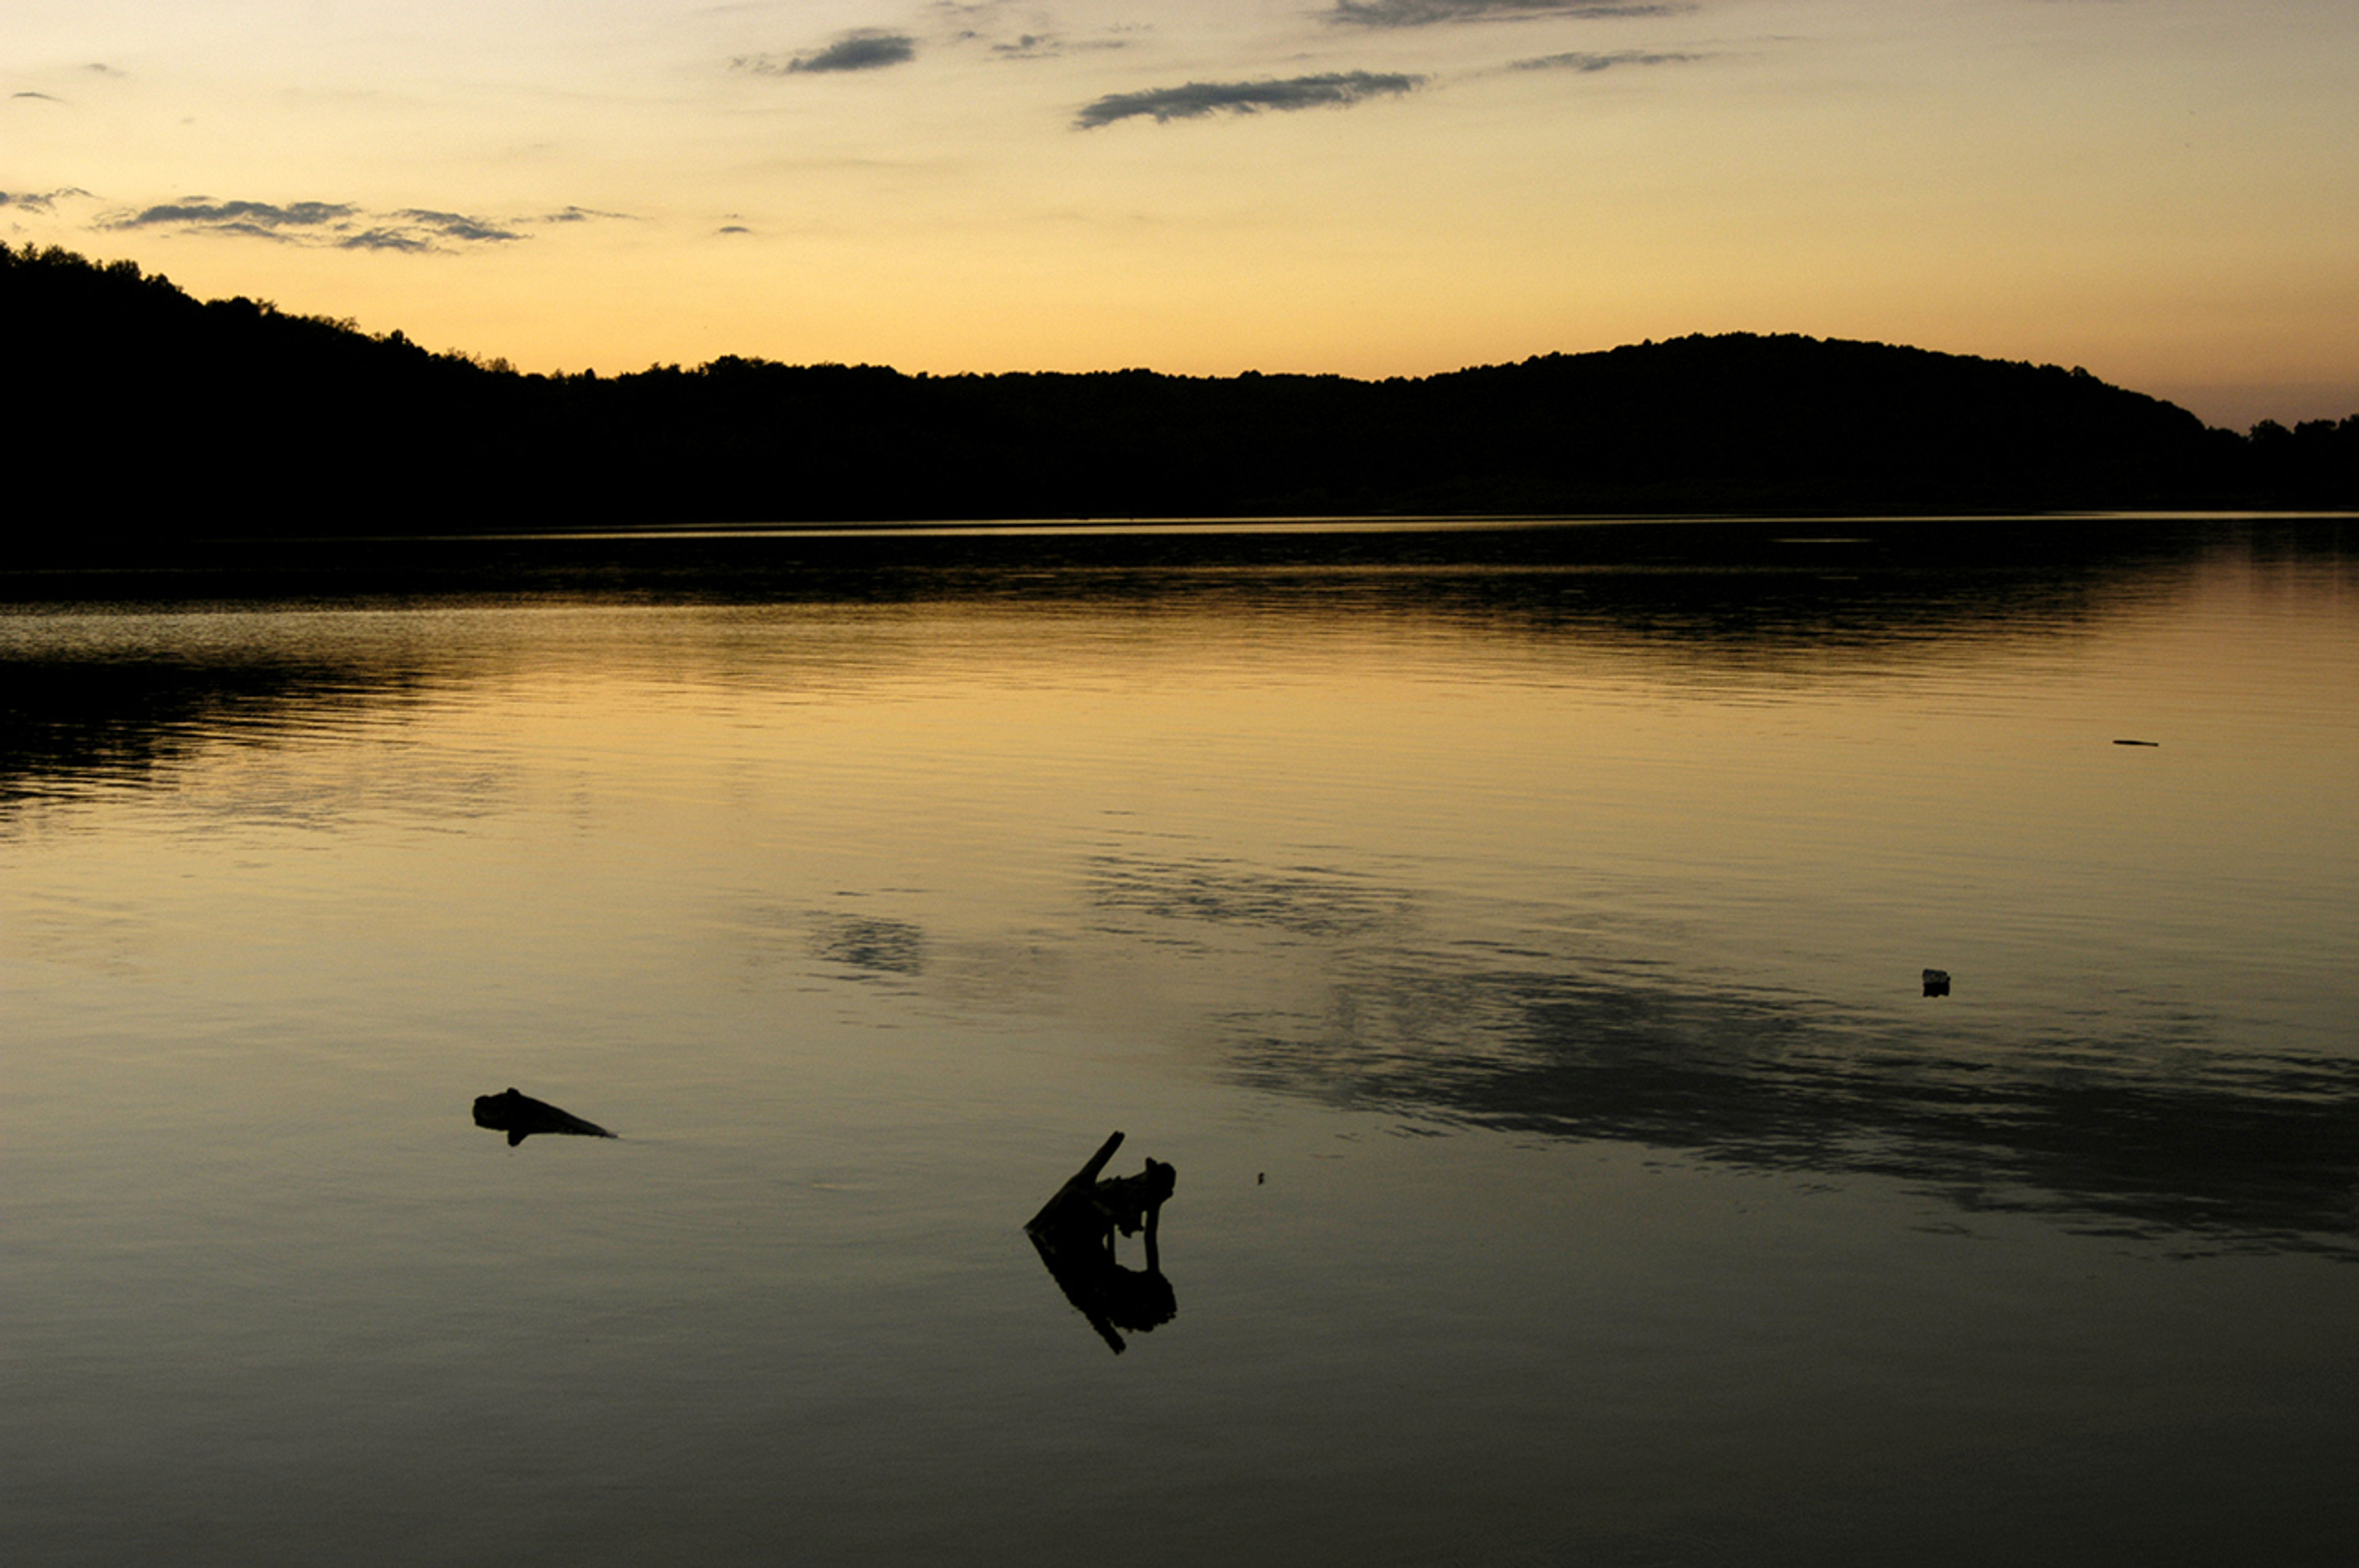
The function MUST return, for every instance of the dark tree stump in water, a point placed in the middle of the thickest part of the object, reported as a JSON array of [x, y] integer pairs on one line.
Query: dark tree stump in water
[[1074, 1234]]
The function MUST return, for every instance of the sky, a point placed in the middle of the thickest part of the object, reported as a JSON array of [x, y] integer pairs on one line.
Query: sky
[[2164, 192]]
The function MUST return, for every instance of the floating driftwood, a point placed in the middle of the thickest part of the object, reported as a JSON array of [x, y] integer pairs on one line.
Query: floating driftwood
[[1074, 1234], [521, 1116]]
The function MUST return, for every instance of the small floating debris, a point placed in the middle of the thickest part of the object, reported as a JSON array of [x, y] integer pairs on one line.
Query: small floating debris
[[520, 1116], [2137, 742], [1937, 982]]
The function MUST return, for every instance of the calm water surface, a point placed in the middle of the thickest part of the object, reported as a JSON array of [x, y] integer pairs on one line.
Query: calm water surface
[[1513, 943]]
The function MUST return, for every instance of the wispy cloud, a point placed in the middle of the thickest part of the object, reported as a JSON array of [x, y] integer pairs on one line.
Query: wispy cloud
[[338, 225], [456, 225], [1030, 46], [1601, 61], [1198, 98], [259, 216], [39, 200], [866, 49], [1048, 46], [1426, 13], [385, 240]]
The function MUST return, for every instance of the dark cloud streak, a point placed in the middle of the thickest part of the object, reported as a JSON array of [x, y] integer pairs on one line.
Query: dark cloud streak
[[457, 225], [1198, 98], [261, 216], [1592, 62], [337, 225], [869, 49], [384, 240], [39, 200], [1426, 13], [1048, 45]]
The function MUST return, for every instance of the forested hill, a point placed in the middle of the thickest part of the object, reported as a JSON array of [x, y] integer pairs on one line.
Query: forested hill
[[141, 412]]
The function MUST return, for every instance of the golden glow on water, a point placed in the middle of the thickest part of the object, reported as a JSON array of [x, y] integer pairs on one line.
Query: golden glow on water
[[1522, 981], [1004, 746]]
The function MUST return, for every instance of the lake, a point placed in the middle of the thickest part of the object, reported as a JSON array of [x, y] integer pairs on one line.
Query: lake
[[1511, 935]]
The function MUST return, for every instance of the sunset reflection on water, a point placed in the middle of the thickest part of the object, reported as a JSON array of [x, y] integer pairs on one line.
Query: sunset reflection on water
[[1516, 956]]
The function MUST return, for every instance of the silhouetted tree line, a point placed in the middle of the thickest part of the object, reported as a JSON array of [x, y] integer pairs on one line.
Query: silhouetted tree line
[[144, 413]]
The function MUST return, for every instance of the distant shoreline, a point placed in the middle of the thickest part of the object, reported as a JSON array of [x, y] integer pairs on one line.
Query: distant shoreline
[[1363, 523], [163, 423], [886, 561]]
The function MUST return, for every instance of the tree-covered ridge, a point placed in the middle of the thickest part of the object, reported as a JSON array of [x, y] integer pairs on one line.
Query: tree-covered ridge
[[146, 413]]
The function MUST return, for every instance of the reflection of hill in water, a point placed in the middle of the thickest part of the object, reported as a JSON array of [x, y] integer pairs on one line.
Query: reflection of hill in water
[[1713, 596], [67, 723], [1864, 578]]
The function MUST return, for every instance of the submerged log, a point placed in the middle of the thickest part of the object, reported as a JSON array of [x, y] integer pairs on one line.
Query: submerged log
[[1076, 1188], [520, 1116]]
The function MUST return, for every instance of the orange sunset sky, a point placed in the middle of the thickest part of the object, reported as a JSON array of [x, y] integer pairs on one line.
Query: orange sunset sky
[[2166, 191]]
